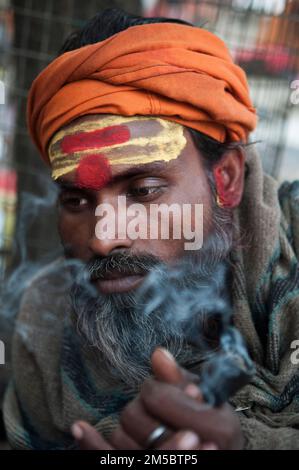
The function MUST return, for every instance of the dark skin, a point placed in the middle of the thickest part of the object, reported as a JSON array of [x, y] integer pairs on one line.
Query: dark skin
[[173, 399], [170, 398]]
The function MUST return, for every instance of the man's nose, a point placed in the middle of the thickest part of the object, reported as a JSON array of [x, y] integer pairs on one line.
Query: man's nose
[[110, 229], [105, 247]]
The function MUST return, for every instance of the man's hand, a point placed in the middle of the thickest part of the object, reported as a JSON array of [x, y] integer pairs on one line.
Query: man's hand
[[172, 400]]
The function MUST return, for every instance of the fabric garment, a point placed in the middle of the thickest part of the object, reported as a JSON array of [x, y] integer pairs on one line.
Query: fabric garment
[[57, 379], [181, 73]]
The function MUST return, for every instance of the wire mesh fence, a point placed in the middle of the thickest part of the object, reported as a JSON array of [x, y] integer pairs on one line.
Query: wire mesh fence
[[263, 37], [31, 34]]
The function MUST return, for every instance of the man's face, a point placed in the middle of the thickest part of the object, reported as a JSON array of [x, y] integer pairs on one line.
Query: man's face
[[149, 179], [147, 166]]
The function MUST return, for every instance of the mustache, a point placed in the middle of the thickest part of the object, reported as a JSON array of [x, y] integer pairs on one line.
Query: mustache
[[123, 263]]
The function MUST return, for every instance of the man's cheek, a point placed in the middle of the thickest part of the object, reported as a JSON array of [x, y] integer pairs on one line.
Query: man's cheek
[[75, 236], [200, 218], [207, 223]]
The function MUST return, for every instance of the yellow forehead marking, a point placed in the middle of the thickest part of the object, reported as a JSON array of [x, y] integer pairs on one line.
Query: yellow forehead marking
[[165, 145]]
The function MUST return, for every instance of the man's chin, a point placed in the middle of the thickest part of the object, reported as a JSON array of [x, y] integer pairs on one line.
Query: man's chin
[[119, 285]]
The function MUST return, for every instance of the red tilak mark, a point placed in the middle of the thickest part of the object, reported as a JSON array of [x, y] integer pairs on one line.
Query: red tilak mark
[[93, 172], [110, 135]]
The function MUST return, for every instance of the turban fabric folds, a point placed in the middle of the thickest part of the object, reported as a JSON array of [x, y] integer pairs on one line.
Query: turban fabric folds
[[176, 72]]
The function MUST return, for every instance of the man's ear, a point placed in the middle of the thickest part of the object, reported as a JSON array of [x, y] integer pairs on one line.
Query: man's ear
[[229, 178]]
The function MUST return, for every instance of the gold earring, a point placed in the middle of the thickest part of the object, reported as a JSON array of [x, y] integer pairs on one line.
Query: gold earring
[[218, 201]]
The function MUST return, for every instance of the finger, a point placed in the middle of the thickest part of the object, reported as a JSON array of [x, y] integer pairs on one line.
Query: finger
[[166, 369], [88, 438], [137, 423], [182, 440], [122, 441]]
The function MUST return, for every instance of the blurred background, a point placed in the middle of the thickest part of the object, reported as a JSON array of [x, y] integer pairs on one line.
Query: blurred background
[[263, 37]]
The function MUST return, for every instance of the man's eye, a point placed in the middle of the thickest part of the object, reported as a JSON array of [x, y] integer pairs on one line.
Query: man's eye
[[73, 202], [144, 191]]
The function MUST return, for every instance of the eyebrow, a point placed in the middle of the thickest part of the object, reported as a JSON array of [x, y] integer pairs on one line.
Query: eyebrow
[[155, 167]]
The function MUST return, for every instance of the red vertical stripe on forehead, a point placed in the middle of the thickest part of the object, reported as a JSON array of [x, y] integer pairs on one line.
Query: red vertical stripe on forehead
[[110, 135], [93, 172]]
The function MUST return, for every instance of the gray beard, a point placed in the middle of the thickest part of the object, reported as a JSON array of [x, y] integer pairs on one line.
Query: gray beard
[[126, 328]]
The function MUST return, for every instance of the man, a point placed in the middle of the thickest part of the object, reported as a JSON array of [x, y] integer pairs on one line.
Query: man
[[154, 111]]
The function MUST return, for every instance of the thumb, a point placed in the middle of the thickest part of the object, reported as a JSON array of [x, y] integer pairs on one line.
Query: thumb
[[166, 369]]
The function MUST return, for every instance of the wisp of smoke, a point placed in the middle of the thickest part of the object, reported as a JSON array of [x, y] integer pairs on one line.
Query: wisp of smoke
[[32, 208], [197, 305]]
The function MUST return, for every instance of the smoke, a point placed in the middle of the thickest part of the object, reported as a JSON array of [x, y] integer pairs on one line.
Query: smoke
[[34, 211], [185, 308], [194, 300], [31, 207]]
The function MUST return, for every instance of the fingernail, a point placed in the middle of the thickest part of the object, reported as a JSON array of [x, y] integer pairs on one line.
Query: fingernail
[[188, 441], [209, 446], [192, 391], [77, 431], [167, 354]]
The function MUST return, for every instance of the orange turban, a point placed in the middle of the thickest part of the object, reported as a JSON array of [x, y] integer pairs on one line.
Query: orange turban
[[180, 73]]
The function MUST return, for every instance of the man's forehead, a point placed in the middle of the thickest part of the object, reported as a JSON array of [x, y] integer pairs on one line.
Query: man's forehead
[[95, 121], [91, 146]]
